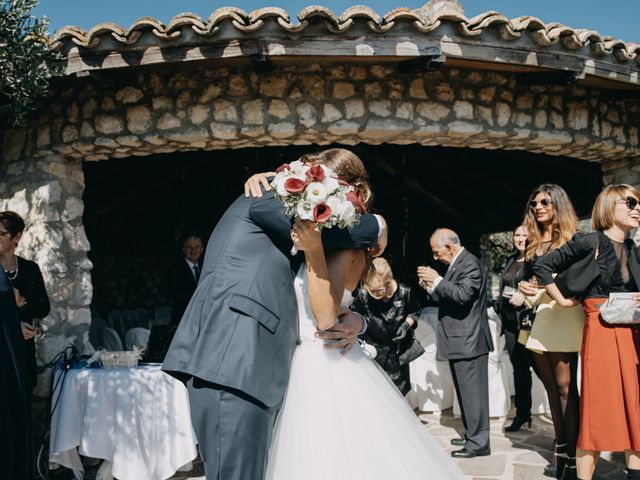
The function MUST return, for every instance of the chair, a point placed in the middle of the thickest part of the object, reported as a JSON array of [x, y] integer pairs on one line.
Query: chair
[[499, 371], [137, 337], [431, 382], [111, 340]]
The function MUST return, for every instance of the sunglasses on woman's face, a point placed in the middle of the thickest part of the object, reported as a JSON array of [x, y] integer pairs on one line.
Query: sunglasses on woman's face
[[533, 204], [630, 202]]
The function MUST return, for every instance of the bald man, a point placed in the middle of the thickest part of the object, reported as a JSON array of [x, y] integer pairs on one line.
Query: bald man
[[463, 336]]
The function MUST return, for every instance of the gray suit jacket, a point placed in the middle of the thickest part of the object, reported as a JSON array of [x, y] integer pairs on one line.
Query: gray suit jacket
[[240, 327], [463, 331]]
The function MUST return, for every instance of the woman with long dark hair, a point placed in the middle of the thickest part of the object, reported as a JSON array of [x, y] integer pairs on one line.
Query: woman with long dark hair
[[610, 393], [520, 357], [556, 334]]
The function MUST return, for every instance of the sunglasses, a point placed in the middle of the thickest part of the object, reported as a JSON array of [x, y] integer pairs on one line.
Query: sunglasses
[[543, 203], [630, 202]]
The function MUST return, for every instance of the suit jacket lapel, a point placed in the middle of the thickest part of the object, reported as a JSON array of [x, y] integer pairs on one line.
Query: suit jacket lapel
[[455, 265]]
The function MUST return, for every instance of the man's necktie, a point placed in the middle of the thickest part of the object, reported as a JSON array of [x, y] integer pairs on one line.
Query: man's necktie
[[196, 272]]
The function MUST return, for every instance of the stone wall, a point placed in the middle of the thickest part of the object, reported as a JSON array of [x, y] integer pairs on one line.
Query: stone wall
[[222, 108], [135, 114]]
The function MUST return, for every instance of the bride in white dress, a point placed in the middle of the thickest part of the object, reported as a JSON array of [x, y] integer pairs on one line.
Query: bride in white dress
[[342, 418]]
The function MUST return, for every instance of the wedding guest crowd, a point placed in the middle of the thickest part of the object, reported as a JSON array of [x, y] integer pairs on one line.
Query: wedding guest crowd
[[390, 309], [598, 265]]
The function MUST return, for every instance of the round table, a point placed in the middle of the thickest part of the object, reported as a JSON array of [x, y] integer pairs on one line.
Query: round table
[[137, 419]]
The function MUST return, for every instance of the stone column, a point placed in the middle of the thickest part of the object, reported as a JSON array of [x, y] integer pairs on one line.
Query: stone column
[[47, 192]]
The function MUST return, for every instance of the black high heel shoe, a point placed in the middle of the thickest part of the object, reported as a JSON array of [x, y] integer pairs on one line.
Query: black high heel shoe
[[570, 472], [517, 424], [556, 468]]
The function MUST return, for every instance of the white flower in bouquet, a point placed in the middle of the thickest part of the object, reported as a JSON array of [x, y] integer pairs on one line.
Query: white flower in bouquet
[[346, 212], [304, 211], [316, 193]]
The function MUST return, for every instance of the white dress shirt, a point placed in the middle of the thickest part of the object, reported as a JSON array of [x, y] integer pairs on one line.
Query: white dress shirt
[[437, 281]]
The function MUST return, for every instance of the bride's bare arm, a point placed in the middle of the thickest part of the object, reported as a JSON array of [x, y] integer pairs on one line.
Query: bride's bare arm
[[326, 284]]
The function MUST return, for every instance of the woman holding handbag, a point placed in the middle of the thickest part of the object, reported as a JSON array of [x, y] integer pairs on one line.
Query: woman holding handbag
[[388, 307], [520, 357], [610, 393], [555, 335]]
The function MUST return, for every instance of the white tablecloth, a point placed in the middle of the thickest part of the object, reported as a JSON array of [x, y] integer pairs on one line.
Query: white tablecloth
[[138, 419]]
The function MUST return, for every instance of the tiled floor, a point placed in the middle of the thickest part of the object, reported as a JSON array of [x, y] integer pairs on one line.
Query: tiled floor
[[515, 456]]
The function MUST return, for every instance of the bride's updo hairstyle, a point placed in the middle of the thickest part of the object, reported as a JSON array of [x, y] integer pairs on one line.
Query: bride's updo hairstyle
[[347, 166]]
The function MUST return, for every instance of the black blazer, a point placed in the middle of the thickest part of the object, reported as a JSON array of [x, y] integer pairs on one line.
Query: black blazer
[[462, 310], [241, 325], [181, 285], [30, 284], [579, 248]]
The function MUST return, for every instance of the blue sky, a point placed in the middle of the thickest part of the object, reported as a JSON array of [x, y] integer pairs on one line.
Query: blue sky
[[619, 18]]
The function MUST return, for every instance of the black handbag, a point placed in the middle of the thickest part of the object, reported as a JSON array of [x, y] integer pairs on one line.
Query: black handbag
[[411, 353], [576, 280], [526, 318]]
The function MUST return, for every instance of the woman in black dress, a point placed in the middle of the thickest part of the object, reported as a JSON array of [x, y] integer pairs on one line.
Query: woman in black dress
[[388, 307], [520, 357], [28, 286], [16, 443]]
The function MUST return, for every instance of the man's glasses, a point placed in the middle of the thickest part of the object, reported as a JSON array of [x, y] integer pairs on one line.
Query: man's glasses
[[630, 202], [533, 204]]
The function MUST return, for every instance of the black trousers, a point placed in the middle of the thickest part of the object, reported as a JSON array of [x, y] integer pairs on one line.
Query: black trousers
[[522, 362], [233, 431], [471, 381]]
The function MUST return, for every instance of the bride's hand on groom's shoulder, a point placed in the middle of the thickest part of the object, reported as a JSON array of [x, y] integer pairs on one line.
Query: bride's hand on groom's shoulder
[[253, 186]]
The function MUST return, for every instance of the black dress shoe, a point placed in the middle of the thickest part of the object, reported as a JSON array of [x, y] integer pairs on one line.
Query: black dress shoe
[[464, 453], [458, 442]]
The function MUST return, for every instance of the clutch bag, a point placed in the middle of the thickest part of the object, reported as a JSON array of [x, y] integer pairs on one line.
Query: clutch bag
[[620, 309]]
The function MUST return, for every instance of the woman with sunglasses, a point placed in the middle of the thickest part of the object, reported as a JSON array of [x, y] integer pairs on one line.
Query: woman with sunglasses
[[609, 403], [556, 333], [388, 307]]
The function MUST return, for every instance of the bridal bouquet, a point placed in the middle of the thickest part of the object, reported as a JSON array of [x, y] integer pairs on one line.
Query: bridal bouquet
[[314, 193]]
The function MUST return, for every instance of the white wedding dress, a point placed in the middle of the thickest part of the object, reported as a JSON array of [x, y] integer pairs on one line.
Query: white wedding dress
[[343, 419]]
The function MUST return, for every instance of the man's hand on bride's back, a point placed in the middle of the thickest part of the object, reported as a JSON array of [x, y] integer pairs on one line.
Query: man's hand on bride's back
[[253, 186], [343, 334]]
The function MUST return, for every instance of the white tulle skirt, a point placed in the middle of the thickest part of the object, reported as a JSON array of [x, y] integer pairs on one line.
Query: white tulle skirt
[[343, 419]]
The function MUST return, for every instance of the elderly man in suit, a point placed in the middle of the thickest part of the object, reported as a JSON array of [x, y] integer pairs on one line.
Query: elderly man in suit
[[183, 276], [463, 335], [236, 339]]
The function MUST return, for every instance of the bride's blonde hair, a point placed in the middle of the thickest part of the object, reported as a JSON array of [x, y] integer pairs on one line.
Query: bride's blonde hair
[[349, 168]]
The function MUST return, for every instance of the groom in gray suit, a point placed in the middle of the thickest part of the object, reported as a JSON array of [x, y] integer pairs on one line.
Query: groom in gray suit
[[234, 344], [463, 335]]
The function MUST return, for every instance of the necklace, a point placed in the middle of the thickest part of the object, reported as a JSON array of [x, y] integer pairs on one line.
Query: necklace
[[14, 274]]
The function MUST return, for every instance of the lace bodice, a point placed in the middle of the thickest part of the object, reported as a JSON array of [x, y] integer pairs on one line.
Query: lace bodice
[[306, 321]]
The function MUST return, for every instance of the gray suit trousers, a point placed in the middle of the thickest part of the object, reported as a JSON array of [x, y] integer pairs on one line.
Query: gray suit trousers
[[233, 431], [471, 381]]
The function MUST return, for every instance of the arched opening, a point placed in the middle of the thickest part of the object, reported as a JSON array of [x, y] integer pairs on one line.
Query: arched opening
[[137, 209]]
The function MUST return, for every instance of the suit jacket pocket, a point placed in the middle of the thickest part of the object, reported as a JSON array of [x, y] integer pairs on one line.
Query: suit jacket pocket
[[254, 309]]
